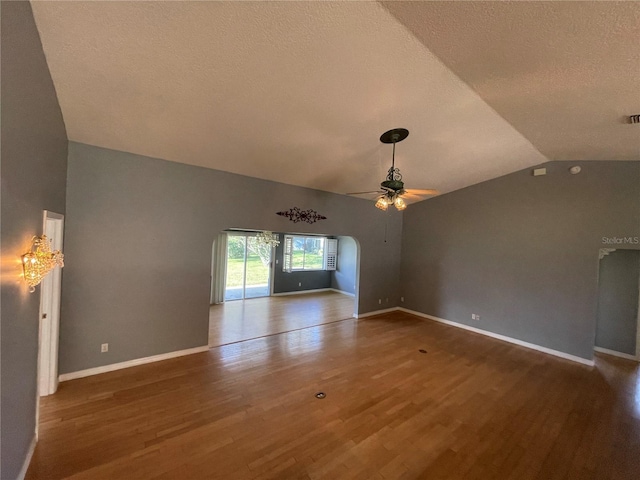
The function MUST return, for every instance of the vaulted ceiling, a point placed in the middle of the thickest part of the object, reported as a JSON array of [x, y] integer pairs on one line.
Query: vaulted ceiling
[[299, 92]]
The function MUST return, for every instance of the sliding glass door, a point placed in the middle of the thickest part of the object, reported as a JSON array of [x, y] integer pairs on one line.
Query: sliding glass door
[[248, 267]]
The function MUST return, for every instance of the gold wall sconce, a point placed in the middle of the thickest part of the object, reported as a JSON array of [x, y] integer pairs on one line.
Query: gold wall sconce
[[39, 261]]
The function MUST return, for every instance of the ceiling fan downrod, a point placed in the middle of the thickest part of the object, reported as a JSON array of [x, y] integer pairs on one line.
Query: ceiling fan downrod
[[393, 157], [394, 173]]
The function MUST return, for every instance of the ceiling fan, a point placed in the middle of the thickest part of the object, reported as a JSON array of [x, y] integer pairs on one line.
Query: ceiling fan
[[392, 189]]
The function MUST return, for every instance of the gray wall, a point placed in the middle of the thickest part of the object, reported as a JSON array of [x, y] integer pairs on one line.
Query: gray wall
[[521, 251], [34, 159], [138, 249], [284, 282], [618, 301], [344, 277]]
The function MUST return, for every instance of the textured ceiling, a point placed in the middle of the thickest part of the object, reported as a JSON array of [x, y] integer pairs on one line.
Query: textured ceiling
[[565, 74], [299, 92]]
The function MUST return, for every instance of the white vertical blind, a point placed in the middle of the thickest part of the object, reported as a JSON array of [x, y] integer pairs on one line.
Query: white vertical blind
[[331, 254], [287, 260]]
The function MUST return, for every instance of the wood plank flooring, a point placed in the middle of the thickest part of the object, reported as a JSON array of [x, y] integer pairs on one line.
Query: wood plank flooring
[[241, 320], [472, 407]]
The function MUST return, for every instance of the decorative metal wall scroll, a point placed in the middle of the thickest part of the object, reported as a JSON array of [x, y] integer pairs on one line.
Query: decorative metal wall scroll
[[296, 215]]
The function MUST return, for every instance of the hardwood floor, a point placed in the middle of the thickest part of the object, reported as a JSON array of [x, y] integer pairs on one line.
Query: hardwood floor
[[472, 407], [240, 320]]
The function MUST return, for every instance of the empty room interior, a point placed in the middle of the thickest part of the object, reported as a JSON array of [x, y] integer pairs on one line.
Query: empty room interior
[[320, 240]]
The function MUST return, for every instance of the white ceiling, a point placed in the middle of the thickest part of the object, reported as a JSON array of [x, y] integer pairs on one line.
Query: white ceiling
[[299, 92]]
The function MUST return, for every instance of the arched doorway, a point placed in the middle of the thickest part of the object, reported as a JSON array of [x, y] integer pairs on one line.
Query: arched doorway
[[301, 287]]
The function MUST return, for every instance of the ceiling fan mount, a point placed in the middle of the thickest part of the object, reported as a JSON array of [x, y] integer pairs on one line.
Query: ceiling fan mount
[[394, 135]]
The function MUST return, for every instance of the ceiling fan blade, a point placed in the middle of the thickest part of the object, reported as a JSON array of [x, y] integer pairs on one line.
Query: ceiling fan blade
[[415, 196], [418, 191], [365, 193], [411, 196]]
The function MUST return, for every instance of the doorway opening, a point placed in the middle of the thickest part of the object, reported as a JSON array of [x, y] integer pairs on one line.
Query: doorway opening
[[618, 317], [248, 272], [291, 286]]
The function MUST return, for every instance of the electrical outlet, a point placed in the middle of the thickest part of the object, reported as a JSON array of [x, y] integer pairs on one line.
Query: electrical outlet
[[379, 301], [104, 347], [475, 316], [402, 299], [299, 284]]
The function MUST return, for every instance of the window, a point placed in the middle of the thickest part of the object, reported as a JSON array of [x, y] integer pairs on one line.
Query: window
[[309, 253]]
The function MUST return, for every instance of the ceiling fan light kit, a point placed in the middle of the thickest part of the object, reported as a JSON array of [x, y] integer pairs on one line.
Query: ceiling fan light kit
[[392, 187], [382, 203]]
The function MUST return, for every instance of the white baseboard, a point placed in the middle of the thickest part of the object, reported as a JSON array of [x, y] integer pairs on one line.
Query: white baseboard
[[315, 290], [504, 338], [130, 363], [616, 354], [27, 459], [302, 292], [375, 312], [342, 292]]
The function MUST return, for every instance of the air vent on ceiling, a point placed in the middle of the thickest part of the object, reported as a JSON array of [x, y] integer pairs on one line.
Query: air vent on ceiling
[[634, 118]]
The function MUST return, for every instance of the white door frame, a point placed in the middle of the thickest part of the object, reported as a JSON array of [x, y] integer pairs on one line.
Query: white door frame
[[272, 269], [604, 252], [50, 290]]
